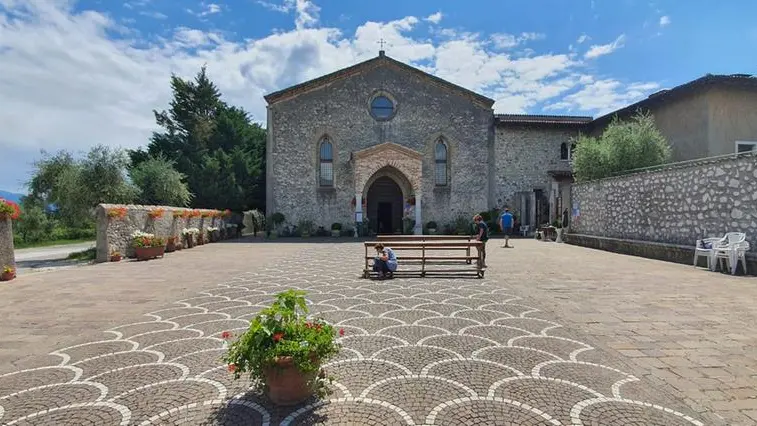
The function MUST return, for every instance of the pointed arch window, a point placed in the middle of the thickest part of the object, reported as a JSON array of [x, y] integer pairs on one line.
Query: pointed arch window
[[564, 153], [326, 161], [440, 156]]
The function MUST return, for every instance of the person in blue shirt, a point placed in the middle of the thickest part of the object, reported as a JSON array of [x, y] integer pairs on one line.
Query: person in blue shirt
[[506, 225], [385, 263]]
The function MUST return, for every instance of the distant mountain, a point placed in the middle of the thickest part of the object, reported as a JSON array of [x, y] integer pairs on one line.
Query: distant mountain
[[12, 196]]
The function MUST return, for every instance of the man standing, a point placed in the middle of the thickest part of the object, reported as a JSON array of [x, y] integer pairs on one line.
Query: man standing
[[506, 225], [483, 236]]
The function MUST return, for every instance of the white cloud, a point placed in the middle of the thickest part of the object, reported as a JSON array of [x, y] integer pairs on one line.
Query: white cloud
[[207, 9], [435, 18], [582, 38], [664, 21], [506, 41], [306, 12], [596, 51], [92, 88], [603, 96]]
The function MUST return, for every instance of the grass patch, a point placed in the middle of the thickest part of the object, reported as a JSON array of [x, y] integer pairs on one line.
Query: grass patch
[[88, 254], [22, 245]]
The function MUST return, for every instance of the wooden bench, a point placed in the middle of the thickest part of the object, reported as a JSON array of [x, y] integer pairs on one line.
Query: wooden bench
[[403, 238], [426, 257]]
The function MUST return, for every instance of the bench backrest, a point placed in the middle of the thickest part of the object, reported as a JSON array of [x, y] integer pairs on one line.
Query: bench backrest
[[423, 238], [399, 245]]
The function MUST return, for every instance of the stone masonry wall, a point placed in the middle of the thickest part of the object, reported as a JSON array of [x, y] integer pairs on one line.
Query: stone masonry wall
[[341, 111], [7, 255], [114, 233], [677, 205], [524, 155]]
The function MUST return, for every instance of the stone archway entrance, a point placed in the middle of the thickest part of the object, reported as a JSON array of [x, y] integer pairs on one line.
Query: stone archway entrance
[[380, 171], [385, 206]]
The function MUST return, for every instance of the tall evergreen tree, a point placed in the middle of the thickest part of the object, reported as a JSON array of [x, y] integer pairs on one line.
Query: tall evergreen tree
[[216, 146]]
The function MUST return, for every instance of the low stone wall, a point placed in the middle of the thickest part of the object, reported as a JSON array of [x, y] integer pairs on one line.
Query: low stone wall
[[7, 256], [115, 233], [652, 250], [677, 204]]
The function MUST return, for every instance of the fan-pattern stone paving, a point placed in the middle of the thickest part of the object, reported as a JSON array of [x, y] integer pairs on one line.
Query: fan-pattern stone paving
[[416, 351]]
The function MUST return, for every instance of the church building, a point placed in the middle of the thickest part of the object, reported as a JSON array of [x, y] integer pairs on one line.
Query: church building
[[382, 141]]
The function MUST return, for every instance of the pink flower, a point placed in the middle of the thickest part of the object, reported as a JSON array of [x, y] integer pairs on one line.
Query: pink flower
[[341, 332], [232, 368], [278, 336], [226, 335]]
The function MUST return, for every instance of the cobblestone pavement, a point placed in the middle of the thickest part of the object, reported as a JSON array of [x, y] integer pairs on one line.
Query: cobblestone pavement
[[416, 351]]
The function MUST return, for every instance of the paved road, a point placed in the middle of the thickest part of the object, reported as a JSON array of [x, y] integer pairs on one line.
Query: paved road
[[51, 252], [416, 351]]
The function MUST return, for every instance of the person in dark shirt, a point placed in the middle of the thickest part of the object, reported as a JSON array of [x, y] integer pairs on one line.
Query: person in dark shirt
[[483, 236]]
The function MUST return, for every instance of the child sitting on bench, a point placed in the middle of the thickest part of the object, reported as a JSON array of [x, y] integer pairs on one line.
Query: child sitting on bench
[[385, 262]]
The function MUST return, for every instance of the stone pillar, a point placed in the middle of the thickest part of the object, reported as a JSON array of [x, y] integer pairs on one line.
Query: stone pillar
[[7, 256], [358, 213], [418, 230]]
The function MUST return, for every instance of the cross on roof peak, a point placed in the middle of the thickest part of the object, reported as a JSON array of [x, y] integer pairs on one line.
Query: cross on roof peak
[[381, 42]]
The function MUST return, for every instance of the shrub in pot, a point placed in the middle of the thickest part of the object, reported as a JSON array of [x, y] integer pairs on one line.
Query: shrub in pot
[[336, 229], [283, 350], [306, 228], [189, 236], [431, 226], [115, 256], [171, 244]]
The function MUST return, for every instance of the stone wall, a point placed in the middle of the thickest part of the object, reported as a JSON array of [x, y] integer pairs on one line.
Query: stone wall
[[678, 204], [114, 233], [7, 256], [523, 156], [341, 110]]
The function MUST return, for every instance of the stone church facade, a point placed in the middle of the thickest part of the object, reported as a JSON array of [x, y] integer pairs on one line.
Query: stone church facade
[[384, 141]]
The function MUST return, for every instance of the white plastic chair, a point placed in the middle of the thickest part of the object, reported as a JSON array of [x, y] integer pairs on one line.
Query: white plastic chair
[[708, 253], [732, 251]]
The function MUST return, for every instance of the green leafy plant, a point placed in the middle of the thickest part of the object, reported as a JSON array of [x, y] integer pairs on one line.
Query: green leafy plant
[[623, 146], [336, 226], [277, 219], [463, 225], [431, 225], [283, 330], [306, 227], [143, 239]]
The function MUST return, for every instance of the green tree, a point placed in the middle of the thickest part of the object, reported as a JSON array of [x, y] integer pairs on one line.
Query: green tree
[[75, 187], [216, 146], [624, 146], [35, 226], [160, 183]]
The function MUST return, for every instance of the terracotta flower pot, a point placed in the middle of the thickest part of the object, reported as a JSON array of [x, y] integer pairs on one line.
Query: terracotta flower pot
[[189, 240], [145, 253], [171, 245], [115, 258], [287, 385], [7, 276]]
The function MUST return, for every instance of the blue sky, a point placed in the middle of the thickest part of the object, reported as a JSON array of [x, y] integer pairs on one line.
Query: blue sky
[[77, 73]]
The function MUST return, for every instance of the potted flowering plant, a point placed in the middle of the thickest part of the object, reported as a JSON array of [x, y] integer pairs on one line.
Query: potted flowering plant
[[117, 212], [115, 256], [189, 234], [177, 214], [8, 274], [155, 213], [213, 234], [171, 244], [147, 246], [9, 209], [336, 229], [283, 350]]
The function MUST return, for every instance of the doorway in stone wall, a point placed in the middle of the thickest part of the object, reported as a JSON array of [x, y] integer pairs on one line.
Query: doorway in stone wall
[[384, 207]]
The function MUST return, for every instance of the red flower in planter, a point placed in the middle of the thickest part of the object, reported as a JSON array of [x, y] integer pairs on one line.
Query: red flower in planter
[[232, 368], [341, 332], [226, 335], [277, 337], [9, 209]]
